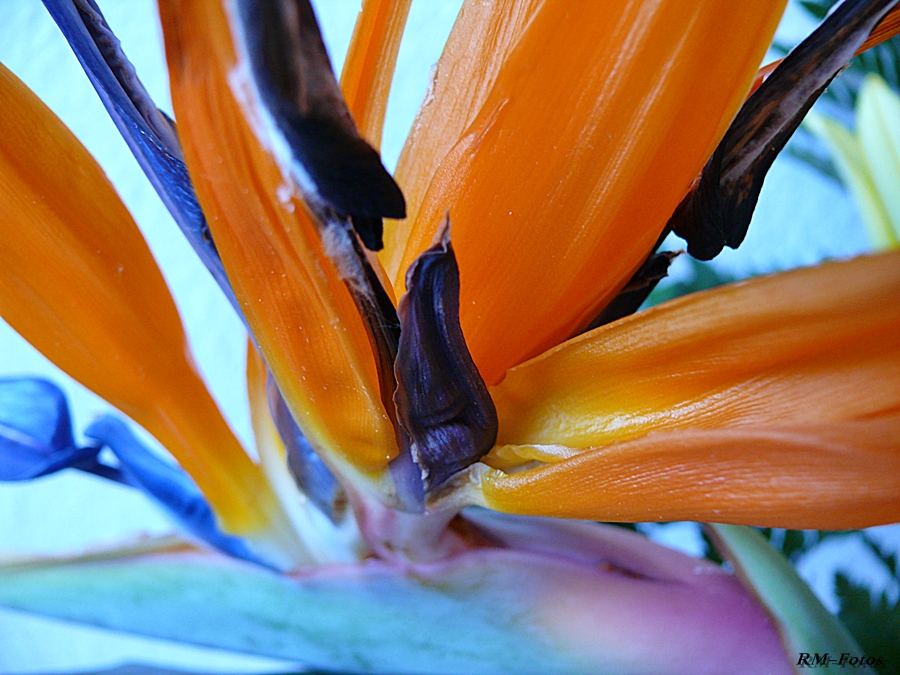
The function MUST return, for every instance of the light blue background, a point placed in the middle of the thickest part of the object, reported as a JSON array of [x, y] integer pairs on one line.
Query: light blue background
[[802, 218]]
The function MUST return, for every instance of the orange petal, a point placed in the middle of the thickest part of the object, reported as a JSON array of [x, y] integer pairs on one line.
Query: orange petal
[[297, 306], [599, 120], [770, 402], [324, 542], [482, 38], [79, 283], [371, 59], [839, 475], [808, 346]]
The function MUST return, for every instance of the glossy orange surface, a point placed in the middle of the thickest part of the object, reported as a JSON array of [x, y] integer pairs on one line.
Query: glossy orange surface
[[482, 38], [732, 393], [369, 67], [836, 475], [809, 345], [598, 120], [79, 283], [299, 310]]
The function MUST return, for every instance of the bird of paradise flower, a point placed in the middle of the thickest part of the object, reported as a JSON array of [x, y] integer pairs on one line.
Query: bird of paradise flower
[[555, 147]]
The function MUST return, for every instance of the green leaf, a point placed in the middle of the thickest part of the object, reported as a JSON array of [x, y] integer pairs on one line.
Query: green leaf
[[805, 625], [873, 620], [855, 171], [878, 126]]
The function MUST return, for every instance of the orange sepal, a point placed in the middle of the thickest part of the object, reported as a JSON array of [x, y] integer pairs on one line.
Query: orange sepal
[[302, 315], [841, 475], [812, 345], [483, 36], [599, 120], [79, 283], [369, 66], [769, 402]]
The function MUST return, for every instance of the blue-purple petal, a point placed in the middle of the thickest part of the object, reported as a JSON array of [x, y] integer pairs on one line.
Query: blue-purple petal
[[166, 483], [36, 439], [152, 137], [148, 131], [36, 431], [310, 473]]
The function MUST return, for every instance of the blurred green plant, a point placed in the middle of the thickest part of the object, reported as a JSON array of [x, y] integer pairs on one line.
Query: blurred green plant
[[868, 161], [871, 616]]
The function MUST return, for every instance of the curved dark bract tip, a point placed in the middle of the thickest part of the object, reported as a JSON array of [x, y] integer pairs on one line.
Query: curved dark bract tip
[[370, 230], [446, 415], [337, 170], [717, 211]]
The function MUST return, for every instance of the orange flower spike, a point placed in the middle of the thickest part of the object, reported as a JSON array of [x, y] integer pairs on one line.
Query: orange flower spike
[[306, 323], [839, 475], [810, 345], [555, 206], [80, 284], [483, 36], [759, 383], [369, 66]]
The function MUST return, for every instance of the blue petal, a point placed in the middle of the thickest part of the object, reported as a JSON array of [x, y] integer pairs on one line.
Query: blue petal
[[310, 473], [167, 484], [152, 137], [36, 431], [149, 132]]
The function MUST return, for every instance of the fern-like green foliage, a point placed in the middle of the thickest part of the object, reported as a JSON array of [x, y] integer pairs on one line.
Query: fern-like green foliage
[[873, 619]]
